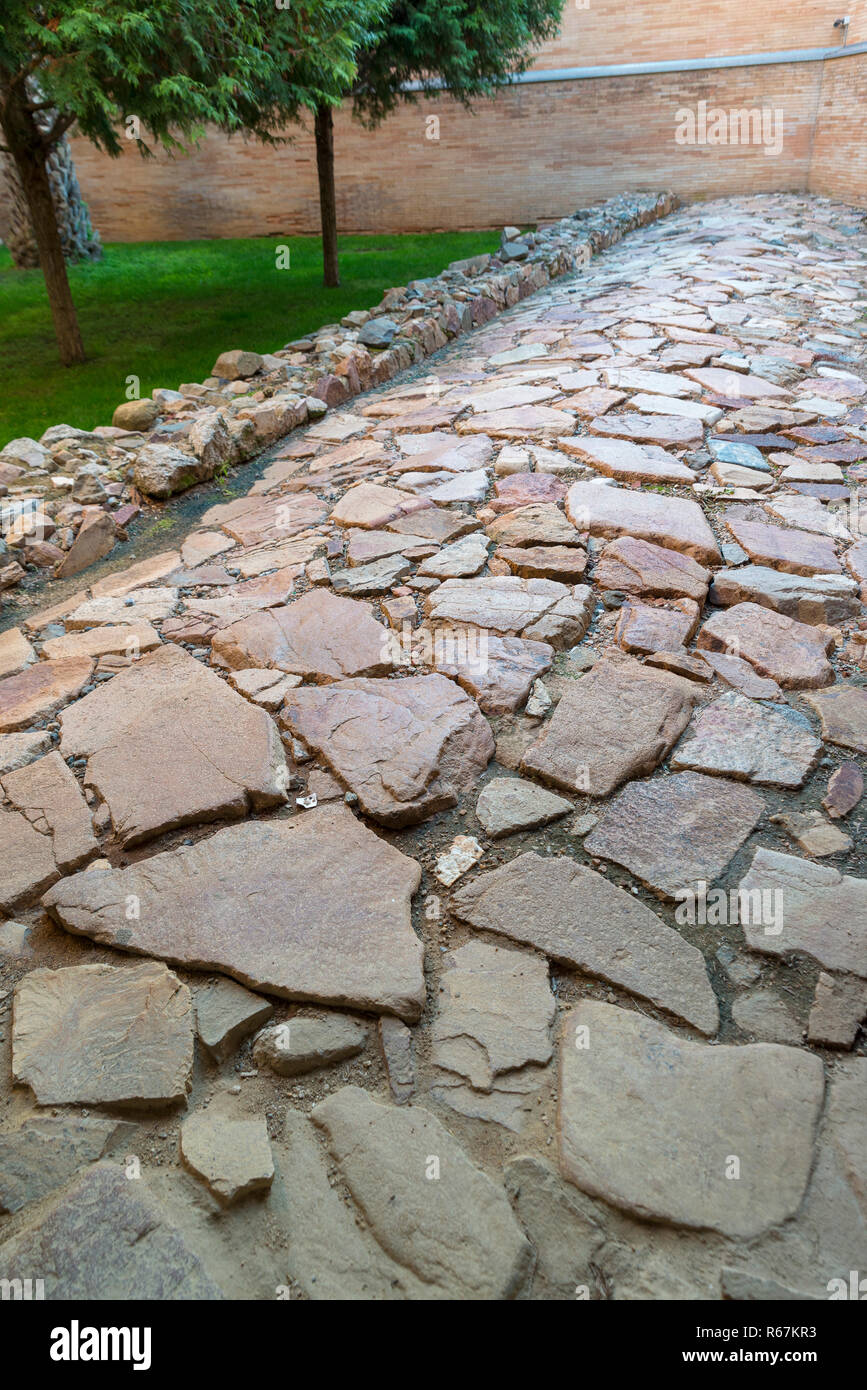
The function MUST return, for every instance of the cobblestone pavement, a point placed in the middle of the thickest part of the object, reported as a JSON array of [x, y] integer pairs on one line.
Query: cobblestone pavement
[[447, 866]]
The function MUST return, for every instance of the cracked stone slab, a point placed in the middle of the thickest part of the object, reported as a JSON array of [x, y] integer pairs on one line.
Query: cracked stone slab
[[819, 911], [407, 748], [791, 653], [457, 1233], [735, 737], [666, 1155], [616, 722], [17, 750], [320, 637], [47, 794], [814, 599], [226, 1014], [315, 908], [103, 1035], [676, 832], [499, 677], [168, 744], [47, 1150], [106, 1238], [576, 917], [537, 609], [491, 1037], [676, 523]]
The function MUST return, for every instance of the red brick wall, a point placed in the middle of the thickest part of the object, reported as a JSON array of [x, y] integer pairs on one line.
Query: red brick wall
[[538, 151], [838, 167], [541, 149], [643, 31]]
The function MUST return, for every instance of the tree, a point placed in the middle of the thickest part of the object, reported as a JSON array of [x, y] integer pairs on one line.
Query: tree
[[78, 238], [158, 72], [424, 46]]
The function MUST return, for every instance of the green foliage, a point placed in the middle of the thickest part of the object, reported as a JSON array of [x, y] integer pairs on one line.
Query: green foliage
[[163, 311], [471, 48], [179, 65]]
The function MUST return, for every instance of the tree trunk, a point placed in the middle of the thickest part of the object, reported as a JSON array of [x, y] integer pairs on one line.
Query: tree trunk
[[79, 239], [327, 194], [26, 146]]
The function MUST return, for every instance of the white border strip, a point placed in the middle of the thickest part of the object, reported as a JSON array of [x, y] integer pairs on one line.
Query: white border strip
[[740, 60]]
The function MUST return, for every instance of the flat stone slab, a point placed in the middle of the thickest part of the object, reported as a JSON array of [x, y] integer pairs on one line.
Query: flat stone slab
[[376, 578], [541, 523], [816, 910], [735, 737], [105, 1239], [120, 639], [521, 422], [507, 804], [674, 522], [638, 567], [306, 1043], [40, 690], [666, 1156], [46, 1151], [168, 744], [537, 609], [674, 833], [676, 431], [526, 490], [821, 598], [794, 552], [618, 721], [791, 653], [232, 1157], [739, 385], [407, 748], [101, 1035], [637, 379], [627, 461], [460, 559], [254, 520], [565, 564], [372, 505], [642, 627], [320, 637], [576, 917], [843, 712], [435, 524], [457, 1234], [17, 750], [15, 652], [499, 673], [316, 908]]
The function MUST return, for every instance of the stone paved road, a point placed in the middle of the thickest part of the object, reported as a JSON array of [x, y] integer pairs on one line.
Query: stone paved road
[[449, 862]]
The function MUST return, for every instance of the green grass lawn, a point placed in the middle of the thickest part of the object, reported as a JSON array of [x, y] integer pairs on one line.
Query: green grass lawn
[[162, 311]]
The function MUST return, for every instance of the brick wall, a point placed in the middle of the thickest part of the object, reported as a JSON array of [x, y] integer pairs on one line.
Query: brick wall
[[838, 168], [541, 149], [538, 151], [644, 31]]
